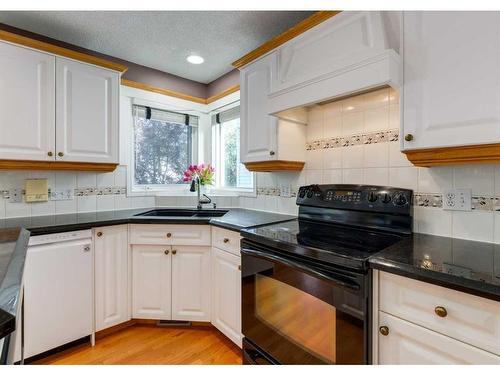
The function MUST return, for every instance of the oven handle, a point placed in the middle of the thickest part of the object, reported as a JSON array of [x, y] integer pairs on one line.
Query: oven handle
[[302, 267]]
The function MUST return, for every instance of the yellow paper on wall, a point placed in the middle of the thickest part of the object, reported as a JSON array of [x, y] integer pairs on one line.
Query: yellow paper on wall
[[36, 190]]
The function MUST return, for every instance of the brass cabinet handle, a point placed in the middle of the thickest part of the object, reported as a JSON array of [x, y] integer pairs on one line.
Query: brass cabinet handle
[[271, 153], [60, 153], [409, 137], [174, 252], [226, 240], [167, 252], [99, 234], [440, 311], [50, 153], [169, 235], [86, 248], [239, 267], [384, 330]]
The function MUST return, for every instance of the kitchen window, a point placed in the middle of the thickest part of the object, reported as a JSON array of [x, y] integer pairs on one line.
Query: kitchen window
[[231, 174], [165, 144]]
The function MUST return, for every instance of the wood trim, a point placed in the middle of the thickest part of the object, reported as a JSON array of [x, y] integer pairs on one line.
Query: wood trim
[[476, 154], [56, 165], [61, 51], [158, 90], [222, 94], [284, 37], [275, 166]]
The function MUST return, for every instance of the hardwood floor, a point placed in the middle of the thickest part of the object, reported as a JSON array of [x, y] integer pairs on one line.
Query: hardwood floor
[[150, 345]]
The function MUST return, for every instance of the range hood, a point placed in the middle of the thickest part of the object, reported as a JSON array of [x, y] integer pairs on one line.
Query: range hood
[[350, 53]]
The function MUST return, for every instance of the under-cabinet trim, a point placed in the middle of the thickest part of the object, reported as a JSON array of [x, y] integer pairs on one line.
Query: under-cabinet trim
[[274, 166], [40, 165]]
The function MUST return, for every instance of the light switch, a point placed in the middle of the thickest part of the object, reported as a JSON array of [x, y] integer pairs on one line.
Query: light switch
[[36, 190]]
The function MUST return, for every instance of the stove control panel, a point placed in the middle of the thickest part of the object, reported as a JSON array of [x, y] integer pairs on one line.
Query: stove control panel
[[356, 197]]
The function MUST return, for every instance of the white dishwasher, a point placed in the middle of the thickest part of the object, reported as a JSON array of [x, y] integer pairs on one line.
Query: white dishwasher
[[57, 290]]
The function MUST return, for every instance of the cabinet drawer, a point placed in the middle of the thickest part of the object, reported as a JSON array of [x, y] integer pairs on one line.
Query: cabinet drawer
[[227, 240], [470, 319], [410, 344], [176, 234]]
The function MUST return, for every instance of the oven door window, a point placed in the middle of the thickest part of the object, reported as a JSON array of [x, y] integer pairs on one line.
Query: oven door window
[[298, 318]]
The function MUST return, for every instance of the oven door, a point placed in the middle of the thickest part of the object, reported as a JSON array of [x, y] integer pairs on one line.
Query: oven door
[[301, 313]]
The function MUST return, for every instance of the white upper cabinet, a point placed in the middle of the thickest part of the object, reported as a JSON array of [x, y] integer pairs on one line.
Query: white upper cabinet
[[87, 100], [451, 93], [258, 128], [191, 283], [27, 91], [111, 276]]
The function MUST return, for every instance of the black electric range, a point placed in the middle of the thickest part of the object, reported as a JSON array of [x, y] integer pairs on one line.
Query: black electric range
[[306, 285]]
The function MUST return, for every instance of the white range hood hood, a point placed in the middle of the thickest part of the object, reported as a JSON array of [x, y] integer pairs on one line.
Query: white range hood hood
[[349, 53]]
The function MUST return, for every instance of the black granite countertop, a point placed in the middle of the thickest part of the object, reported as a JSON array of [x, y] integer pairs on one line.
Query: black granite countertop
[[235, 219], [13, 247], [468, 266]]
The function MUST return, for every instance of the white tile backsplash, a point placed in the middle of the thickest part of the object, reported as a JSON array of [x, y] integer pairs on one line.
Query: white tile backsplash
[[475, 225], [480, 178]]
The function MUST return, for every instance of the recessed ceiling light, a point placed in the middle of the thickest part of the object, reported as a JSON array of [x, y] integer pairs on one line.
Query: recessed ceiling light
[[195, 59]]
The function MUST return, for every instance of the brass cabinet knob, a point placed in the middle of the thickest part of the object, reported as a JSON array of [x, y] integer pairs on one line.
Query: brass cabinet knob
[[50, 153], [440, 311], [271, 153], [167, 252], [226, 240], [384, 330], [99, 234], [239, 267], [60, 153], [409, 137], [174, 252], [169, 235]]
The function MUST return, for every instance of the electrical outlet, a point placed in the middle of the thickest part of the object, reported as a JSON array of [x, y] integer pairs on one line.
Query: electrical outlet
[[285, 191], [16, 195], [457, 200]]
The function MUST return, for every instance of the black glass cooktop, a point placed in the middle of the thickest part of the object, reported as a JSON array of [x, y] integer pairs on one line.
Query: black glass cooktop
[[323, 242]]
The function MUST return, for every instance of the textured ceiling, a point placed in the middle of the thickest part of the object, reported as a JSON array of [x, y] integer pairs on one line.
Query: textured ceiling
[[163, 39]]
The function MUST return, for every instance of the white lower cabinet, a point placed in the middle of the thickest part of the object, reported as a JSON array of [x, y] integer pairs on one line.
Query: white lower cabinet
[[422, 323], [409, 344], [151, 282], [226, 294], [111, 276], [191, 283]]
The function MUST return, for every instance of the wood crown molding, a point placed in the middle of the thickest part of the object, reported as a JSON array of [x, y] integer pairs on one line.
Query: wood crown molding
[[179, 95], [475, 154], [284, 37], [275, 166], [39, 165], [60, 51], [159, 90], [222, 94]]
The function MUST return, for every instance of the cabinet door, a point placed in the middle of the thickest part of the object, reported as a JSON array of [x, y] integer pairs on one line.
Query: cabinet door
[[87, 100], [57, 295], [410, 344], [151, 282], [451, 93], [226, 294], [191, 283], [111, 276], [258, 128], [27, 95]]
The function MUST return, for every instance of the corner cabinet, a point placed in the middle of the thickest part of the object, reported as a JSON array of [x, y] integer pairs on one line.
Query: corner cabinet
[[451, 92], [57, 113], [263, 136]]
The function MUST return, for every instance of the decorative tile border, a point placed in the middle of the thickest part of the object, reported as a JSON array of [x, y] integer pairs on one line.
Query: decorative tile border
[[108, 190], [426, 200], [391, 135]]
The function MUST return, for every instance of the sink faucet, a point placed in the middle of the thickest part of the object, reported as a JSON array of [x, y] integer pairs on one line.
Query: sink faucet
[[195, 186]]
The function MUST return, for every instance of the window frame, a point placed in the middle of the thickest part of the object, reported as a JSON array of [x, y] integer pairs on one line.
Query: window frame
[[217, 156], [161, 102]]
